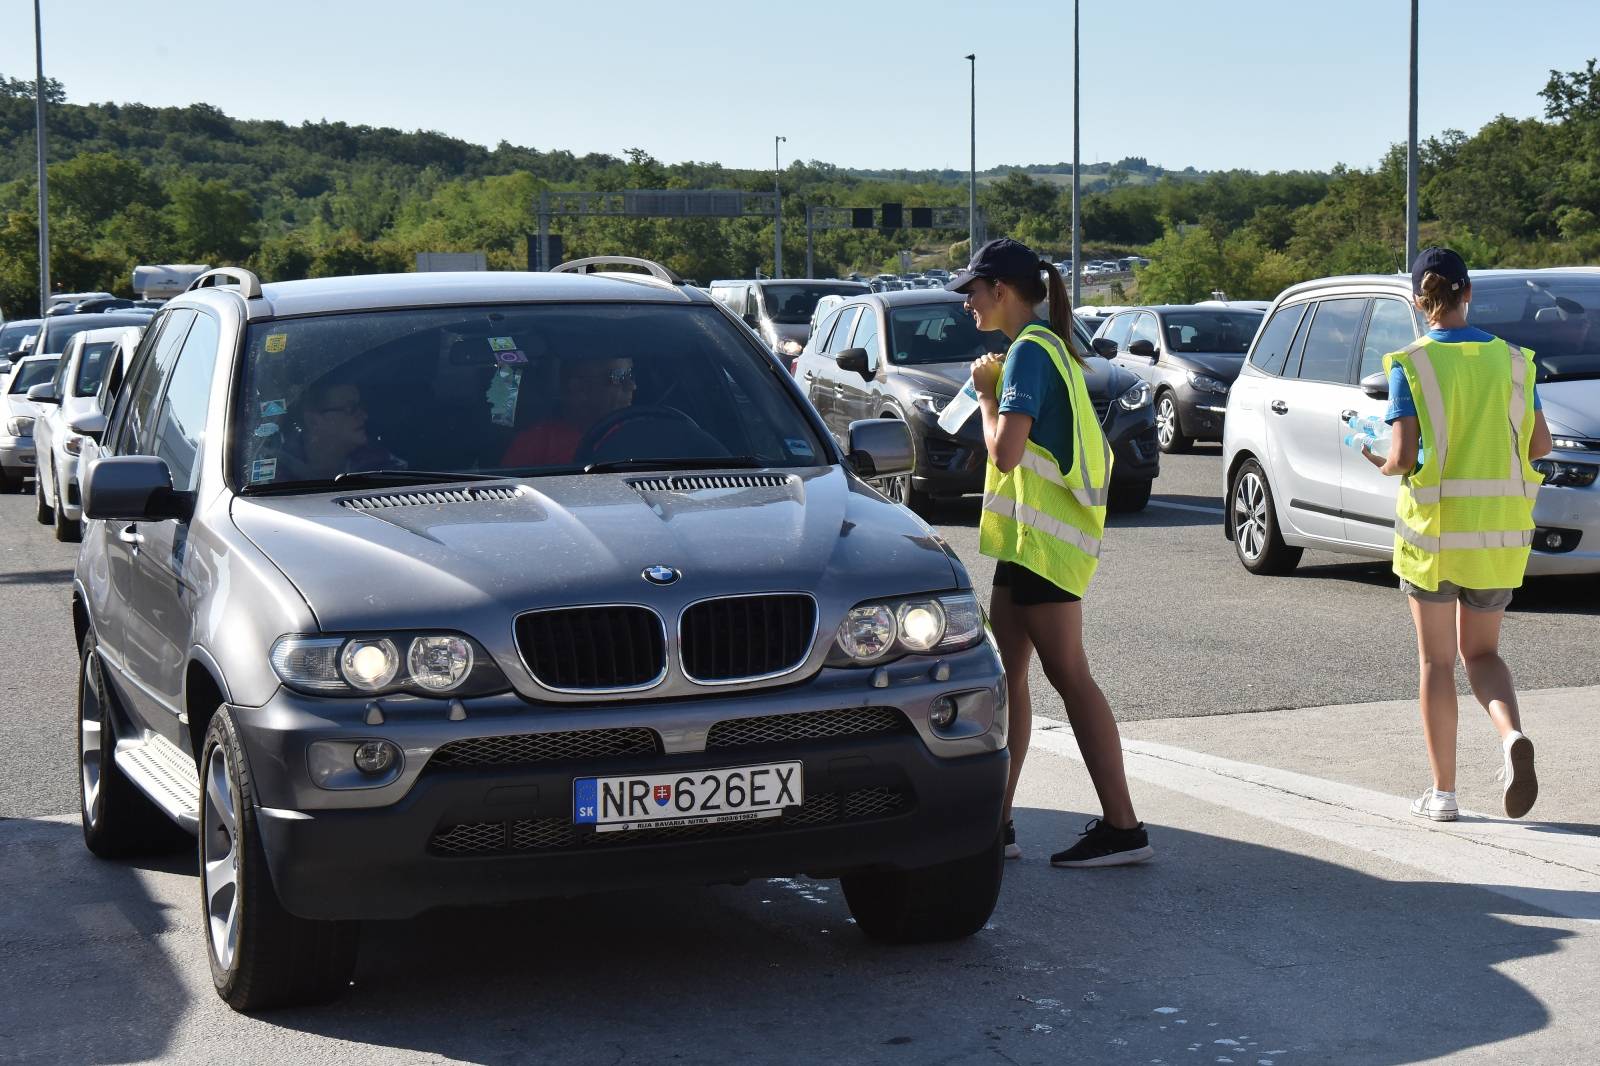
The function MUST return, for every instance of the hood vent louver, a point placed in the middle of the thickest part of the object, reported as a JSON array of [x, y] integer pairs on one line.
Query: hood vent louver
[[429, 498], [703, 482]]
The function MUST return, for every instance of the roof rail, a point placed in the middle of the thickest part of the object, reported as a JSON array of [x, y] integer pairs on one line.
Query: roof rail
[[249, 284], [583, 266]]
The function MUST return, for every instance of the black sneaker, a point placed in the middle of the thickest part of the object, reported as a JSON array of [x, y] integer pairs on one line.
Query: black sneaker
[[1101, 844], [1012, 851]]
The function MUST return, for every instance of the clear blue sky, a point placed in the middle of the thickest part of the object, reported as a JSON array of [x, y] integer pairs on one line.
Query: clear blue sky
[[1260, 84]]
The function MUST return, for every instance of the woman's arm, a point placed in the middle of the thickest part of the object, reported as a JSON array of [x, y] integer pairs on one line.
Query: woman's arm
[[1004, 435], [1402, 451], [1541, 438]]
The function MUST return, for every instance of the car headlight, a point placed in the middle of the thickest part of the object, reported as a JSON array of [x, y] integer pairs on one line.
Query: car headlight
[[931, 402], [918, 625], [1207, 383], [1566, 475], [1136, 397], [427, 664], [789, 348], [21, 426], [1569, 444]]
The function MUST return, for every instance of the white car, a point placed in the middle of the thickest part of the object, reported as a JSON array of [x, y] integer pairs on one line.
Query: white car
[[73, 392], [1292, 483], [17, 415]]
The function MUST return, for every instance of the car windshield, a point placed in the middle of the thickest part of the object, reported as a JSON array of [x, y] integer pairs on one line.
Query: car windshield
[[15, 334], [510, 389], [28, 375], [792, 304], [92, 367], [59, 330], [1221, 332], [938, 333], [1557, 317]]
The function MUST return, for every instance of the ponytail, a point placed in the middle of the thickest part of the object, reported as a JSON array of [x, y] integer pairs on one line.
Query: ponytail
[[1060, 309]]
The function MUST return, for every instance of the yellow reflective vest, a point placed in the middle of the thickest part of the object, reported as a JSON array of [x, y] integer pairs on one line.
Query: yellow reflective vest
[[1466, 515], [1049, 513]]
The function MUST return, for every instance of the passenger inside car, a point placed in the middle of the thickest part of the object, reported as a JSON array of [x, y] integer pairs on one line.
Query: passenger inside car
[[327, 435], [591, 389]]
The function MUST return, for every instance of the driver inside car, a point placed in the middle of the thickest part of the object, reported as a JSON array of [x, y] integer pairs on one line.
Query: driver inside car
[[591, 389]]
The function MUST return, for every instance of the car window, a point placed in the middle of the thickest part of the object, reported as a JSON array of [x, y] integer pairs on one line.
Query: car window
[[62, 328], [938, 333], [1221, 332], [181, 425], [792, 305], [1557, 315], [820, 337], [866, 336], [27, 375], [92, 367], [1144, 329], [14, 334], [526, 389], [148, 385], [841, 331], [59, 382], [1331, 340], [1272, 347], [1392, 327], [1117, 329]]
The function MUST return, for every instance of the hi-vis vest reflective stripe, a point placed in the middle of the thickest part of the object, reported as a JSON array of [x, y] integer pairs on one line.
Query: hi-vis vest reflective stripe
[[1467, 515], [1048, 515]]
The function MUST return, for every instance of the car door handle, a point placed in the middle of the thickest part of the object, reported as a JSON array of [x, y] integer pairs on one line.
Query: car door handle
[[130, 534], [809, 376], [1279, 407]]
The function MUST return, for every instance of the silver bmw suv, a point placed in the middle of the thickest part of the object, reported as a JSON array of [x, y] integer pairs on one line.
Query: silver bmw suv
[[421, 590]]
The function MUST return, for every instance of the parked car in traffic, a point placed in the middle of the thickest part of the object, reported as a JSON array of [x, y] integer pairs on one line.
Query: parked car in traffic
[[72, 393], [1189, 355], [634, 620], [17, 415], [55, 332], [780, 311], [904, 355], [16, 337], [1291, 482]]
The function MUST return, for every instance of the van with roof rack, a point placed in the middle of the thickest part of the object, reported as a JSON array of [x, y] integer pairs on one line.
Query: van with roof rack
[[409, 591]]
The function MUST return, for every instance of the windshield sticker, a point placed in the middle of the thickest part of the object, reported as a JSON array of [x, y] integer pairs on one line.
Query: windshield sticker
[[511, 357], [277, 342], [271, 408], [503, 344], [266, 429], [263, 470], [798, 447]]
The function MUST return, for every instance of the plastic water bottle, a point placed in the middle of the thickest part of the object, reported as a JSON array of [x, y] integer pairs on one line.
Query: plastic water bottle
[[1372, 431], [958, 410]]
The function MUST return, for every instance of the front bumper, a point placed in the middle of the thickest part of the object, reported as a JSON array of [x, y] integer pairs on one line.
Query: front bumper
[[1573, 514], [1201, 414], [16, 456], [446, 833]]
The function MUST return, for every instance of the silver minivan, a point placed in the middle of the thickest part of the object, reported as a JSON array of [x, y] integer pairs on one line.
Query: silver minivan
[[1292, 483]]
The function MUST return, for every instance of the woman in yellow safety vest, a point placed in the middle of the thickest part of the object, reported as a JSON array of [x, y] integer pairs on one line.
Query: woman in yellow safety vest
[[1466, 424], [1043, 516]]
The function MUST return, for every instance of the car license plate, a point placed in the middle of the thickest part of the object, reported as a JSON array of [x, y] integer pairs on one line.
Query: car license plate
[[700, 797]]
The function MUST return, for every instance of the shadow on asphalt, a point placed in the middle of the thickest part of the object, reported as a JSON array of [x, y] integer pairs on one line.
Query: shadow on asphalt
[[1217, 941], [35, 577]]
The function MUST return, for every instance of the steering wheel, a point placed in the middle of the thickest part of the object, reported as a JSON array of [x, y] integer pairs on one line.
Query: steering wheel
[[598, 432]]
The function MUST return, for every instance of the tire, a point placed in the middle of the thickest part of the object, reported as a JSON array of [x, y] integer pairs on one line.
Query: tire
[[42, 511], [68, 530], [1256, 539], [261, 955], [119, 821], [1169, 427], [1129, 496], [944, 902], [899, 489]]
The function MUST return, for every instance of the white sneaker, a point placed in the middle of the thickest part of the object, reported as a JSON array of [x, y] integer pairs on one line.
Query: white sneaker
[[1522, 786], [1439, 808]]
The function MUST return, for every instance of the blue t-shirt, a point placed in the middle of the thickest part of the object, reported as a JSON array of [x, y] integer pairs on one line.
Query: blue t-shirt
[[1401, 403], [1031, 385]]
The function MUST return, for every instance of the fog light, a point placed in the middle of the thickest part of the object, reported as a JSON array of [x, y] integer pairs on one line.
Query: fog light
[[942, 712], [375, 756]]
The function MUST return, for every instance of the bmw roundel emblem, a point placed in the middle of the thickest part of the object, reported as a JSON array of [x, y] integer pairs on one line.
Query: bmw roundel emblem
[[661, 575]]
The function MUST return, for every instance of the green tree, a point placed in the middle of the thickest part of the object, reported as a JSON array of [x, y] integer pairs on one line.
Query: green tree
[[97, 185], [211, 221]]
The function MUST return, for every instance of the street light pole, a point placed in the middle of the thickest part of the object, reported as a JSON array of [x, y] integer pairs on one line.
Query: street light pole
[[777, 212], [1411, 153], [44, 187], [1077, 249], [972, 172]]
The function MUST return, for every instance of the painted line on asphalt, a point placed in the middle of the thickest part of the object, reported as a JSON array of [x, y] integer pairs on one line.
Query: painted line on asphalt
[[1555, 870], [1186, 507]]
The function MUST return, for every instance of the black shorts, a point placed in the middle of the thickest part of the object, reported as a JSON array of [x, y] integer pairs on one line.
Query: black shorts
[[1028, 589]]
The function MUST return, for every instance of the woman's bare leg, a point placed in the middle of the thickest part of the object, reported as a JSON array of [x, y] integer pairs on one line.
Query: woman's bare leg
[[1436, 654], [1016, 654], [1478, 636]]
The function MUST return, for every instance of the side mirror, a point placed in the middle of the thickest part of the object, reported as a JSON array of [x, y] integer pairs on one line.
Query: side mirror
[[753, 321], [91, 424], [1143, 348], [133, 488], [1104, 347], [880, 447], [1376, 385], [855, 360], [44, 392]]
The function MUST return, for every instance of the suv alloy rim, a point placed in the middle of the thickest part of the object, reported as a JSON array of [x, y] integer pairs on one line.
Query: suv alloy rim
[[1166, 420], [1250, 516], [219, 855], [89, 727], [898, 488]]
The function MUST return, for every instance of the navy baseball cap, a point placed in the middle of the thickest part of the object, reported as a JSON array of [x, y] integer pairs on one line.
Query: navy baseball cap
[[1443, 262], [1000, 258]]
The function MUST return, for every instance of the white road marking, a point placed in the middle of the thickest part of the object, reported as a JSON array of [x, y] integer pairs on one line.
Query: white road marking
[[1551, 869], [1186, 507]]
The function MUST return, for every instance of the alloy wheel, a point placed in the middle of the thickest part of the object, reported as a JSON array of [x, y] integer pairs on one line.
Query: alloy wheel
[[91, 722], [1250, 515], [1166, 420], [219, 857], [898, 488]]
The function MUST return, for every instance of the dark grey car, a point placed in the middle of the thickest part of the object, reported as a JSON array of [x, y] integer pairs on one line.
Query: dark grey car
[[430, 589]]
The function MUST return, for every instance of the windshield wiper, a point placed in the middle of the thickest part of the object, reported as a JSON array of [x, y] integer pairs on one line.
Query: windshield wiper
[[709, 462], [356, 478]]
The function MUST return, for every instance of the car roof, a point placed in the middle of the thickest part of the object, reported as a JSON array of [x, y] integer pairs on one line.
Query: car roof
[[907, 297], [1401, 283], [1162, 309]]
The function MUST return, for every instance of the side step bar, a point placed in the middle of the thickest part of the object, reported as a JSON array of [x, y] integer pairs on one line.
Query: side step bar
[[166, 773]]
